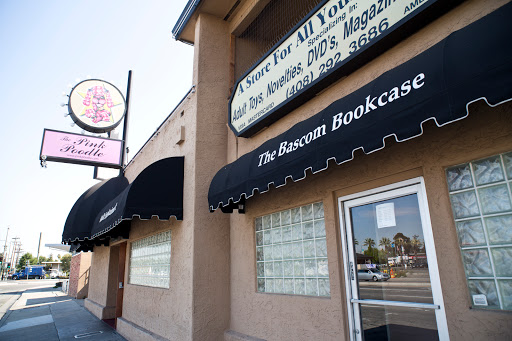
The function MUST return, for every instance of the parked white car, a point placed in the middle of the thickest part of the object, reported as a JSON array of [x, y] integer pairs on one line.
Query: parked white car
[[372, 275], [55, 274]]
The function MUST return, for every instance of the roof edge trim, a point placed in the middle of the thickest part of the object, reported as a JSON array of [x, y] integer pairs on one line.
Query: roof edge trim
[[184, 18]]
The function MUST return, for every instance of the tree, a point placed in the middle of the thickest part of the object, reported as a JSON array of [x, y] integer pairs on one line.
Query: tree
[[66, 262], [416, 244], [401, 242], [385, 243], [383, 257], [42, 259], [369, 242], [23, 261]]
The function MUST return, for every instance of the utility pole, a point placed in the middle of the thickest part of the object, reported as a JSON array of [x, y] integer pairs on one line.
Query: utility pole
[[11, 254], [13, 257], [39, 247], [5, 255], [16, 252]]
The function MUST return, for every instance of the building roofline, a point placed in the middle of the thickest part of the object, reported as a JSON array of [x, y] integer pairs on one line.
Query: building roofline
[[184, 18], [192, 90]]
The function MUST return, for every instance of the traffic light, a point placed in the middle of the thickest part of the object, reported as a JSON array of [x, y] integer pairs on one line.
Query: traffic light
[[8, 265]]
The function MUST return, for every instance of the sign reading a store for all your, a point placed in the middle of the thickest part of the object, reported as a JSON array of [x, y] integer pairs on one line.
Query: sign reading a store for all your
[[322, 43]]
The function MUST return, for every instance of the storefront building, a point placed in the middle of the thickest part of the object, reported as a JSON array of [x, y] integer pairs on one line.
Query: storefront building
[[340, 170]]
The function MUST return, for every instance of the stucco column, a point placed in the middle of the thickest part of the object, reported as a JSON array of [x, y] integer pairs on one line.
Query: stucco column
[[101, 284], [211, 291]]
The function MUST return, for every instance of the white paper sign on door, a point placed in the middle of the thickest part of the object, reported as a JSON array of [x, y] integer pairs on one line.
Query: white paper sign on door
[[385, 215]]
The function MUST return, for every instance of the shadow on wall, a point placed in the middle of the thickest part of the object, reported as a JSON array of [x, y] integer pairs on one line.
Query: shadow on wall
[[84, 278]]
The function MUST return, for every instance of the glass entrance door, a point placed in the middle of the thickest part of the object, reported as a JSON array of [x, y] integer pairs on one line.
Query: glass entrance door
[[393, 288]]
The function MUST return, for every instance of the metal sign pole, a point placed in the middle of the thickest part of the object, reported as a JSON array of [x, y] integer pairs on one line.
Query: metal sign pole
[[125, 124]]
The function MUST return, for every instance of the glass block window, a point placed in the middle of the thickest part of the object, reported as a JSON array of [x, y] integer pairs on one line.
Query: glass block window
[[291, 252], [481, 198], [150, 261]]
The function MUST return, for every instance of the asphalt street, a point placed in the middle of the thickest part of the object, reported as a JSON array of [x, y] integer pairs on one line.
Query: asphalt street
[[400, 323]]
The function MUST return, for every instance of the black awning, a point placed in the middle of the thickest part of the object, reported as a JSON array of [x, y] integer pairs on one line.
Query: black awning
[[81, 217], [471, 64], [157, 191]]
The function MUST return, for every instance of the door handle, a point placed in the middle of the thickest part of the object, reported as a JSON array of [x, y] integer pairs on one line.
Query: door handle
[[397, 303]]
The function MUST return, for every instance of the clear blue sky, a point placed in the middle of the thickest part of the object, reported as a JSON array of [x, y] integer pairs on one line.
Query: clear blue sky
[[45, 47]]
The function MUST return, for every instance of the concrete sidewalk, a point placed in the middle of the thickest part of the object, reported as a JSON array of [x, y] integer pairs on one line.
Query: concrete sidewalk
[[49, 314]]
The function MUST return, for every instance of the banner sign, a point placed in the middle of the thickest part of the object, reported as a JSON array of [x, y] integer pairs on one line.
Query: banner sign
[[81, 149], [320, 44]]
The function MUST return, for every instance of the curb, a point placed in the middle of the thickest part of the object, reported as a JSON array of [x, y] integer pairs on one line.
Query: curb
[[5, 310]]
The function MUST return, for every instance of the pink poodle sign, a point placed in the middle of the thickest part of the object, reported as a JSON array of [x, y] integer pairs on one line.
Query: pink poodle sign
[[96, 106], [81, 149]]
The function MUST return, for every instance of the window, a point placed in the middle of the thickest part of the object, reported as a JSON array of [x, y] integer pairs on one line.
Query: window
[[150, 261], [480, 194], [291, 252], [273, 23]]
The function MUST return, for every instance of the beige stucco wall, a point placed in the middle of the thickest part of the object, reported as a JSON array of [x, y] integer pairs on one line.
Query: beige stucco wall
[[211, 232], [85, 270], [486, 132], [164, 312], [155, 312], [196, 306], [98, 284], [79, 275]]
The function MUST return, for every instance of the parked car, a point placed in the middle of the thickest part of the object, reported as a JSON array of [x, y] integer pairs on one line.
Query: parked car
[[34, 271], [55, 274], [371, 275]]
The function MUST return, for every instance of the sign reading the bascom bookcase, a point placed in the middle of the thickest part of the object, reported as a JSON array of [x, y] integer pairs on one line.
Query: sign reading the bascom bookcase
[[330, 36]]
